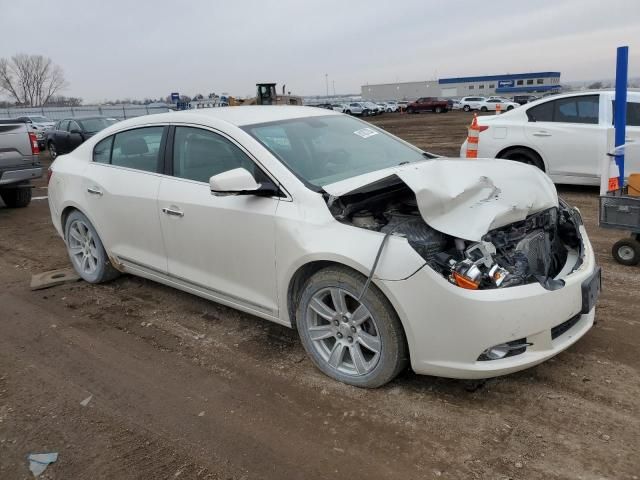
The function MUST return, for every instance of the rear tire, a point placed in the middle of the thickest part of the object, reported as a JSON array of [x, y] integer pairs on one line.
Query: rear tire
[[510, 107], [18, 197], [523, 155], [484, 109], [360, 343], [626, 251], [85, 249]]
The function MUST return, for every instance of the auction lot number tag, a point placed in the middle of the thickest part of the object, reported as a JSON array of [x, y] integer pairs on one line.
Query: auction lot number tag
[[366, 132]]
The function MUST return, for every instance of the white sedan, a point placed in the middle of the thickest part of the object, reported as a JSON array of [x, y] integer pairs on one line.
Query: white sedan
[[378, 253], [567, 136], [491, 105]]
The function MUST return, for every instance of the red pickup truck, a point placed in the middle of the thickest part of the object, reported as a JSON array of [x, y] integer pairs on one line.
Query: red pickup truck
[[430, 104]]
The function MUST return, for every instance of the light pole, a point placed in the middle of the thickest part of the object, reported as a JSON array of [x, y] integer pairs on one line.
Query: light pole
[[334, 87], [326, 81]]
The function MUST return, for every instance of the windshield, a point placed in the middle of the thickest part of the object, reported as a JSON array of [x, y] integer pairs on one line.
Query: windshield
[[40, 119], [93, 125], [327, 149]]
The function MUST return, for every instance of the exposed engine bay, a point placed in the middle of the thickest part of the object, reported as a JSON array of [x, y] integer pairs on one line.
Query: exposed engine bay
[[533, 250]]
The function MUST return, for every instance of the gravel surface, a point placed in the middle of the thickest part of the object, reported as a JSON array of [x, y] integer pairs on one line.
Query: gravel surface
[[183, 388]]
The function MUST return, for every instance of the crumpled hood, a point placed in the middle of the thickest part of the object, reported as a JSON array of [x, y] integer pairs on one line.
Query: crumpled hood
[[464, 198]]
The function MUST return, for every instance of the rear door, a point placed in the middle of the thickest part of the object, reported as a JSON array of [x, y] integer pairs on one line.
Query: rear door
[[121, 188], [570, 136], [223, 245], [632, 135], [60, 136], [76, 138]]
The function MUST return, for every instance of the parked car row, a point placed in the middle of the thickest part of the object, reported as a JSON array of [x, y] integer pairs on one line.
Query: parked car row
[[484, 104], [65, 135]]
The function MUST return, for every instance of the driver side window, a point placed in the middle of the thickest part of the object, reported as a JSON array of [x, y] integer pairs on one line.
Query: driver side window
[[199, 154]]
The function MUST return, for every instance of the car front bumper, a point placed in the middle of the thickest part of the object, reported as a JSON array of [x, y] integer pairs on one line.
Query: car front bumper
[[448, 327]]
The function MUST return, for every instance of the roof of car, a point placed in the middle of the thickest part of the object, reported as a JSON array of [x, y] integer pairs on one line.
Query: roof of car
[[88, 117], [243, 115]]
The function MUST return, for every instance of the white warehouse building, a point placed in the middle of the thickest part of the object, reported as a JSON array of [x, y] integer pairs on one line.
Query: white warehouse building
[[509, 84]]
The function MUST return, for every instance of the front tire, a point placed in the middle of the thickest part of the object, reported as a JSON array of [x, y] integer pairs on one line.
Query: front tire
[[358, 342], [438, 110], [510, 107], [466, 108], [53, 153], [626, 251], [484, 109], [85, 249], [18, 197]]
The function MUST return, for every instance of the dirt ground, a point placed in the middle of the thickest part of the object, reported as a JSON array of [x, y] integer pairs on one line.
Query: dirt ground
[[183, 388]]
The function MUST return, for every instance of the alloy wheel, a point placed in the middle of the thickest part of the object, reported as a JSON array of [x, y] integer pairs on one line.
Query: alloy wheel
[[82, 247], [343, 331]]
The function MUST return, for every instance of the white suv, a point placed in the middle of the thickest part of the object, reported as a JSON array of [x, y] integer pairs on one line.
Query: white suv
[[471, 103]]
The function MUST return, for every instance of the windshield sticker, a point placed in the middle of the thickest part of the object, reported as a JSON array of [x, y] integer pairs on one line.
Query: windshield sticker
[[366, 132]]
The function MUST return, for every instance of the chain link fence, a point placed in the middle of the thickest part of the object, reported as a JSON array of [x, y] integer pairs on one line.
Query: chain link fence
[[120, 112]]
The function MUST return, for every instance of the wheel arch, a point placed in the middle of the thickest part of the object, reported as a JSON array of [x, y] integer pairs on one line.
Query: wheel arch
[[68, 210], [505, 150], [307, 270]]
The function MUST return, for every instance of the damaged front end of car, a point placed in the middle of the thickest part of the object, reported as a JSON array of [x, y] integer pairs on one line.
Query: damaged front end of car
[[542, 246]]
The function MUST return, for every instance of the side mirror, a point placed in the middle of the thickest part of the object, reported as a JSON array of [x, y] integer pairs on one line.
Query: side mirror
[[240, 182], [75, 130]]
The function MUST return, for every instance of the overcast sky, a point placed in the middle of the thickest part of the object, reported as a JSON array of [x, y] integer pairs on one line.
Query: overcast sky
[[143, 48]]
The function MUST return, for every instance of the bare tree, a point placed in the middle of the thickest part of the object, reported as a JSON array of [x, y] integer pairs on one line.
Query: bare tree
[[31, 80]]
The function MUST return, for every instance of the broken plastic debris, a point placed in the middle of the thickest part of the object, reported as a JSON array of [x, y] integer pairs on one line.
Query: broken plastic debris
[[86, 401], [38, 462]]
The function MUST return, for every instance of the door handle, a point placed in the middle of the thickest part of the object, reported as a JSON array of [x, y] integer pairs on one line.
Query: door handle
[[94, 191], [541, 133], [172, 211]]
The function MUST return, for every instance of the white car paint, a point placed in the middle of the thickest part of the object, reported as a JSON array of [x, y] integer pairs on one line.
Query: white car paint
[[244, 251], [571, 152]]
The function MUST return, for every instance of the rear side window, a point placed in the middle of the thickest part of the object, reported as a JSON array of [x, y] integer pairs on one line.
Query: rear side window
[[102, 150], [541, 113], [577, 110], [138, 149], [567, 110]]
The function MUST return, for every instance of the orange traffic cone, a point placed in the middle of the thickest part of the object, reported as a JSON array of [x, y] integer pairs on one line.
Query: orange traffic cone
[[473, 137], [614, 175], [498, 109]]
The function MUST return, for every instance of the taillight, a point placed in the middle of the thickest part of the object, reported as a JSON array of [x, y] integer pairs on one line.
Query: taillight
[[482, 128], [35, 150], [49, 174]]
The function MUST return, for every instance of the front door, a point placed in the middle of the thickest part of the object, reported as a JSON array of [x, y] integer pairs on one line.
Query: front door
[[222, 244]]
